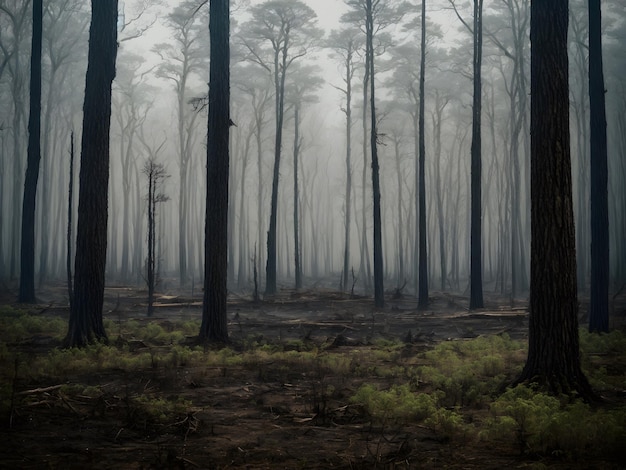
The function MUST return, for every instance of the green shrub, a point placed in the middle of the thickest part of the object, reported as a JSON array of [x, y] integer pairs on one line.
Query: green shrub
[[468, 372], [160, 410], [542, 424], [401, 405], [602, 343], [396, 404], [18, 325]]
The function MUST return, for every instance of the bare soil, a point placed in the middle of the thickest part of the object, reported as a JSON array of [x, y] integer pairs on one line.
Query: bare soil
[[265, 418]]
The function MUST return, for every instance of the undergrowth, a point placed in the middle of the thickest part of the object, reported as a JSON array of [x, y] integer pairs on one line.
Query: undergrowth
[[453, 389]]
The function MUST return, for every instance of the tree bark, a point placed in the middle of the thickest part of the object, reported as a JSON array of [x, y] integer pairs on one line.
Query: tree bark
[[85, 323], [599, 304], [379, 292], [27, 255], [553, 353], [365, 270], [214, 326], [422, 295], [280, 73], [68, 255], [150, 170], [296, 217], [476, 271], [348, 209]]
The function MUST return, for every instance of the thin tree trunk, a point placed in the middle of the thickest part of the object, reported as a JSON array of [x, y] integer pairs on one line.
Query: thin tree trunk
[[151, 211], [70, 194], [422, 296], [379, 292], [400, 222], [365, 268], [280, 73], [296, 152], [348, 208], [242, 271], [476, 282]]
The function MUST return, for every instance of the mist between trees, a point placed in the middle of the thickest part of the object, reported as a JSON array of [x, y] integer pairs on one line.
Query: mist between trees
[[303, 92]]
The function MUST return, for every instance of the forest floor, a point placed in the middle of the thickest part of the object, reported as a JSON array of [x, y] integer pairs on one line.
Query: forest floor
[[280, 396]]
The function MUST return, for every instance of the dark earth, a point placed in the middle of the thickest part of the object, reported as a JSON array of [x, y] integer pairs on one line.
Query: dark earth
[[271, 416]]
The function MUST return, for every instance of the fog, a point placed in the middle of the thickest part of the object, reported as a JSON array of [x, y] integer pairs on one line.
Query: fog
[[159, 112]]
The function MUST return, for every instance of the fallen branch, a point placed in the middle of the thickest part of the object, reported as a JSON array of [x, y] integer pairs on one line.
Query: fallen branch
[[40, 390]]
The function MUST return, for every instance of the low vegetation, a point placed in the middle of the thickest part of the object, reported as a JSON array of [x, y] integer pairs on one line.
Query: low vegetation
[[454, 390]]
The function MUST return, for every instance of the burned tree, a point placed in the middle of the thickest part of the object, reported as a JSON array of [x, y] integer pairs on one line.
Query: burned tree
[[553, 351], [27, 271], [476, 269], [85, 324], [599, 305], [214, 326], [156, 174], [280, 33]]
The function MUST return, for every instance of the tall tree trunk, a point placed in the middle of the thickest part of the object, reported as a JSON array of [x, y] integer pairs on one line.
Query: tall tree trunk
[[379, 292], [364, 266], [422, 295], [259, 166], [476, 280], [183, 178], [400, 222], [70, 202], [296, 217], [348, 208], [27, 268], [138, 228], [150, 169], [439, 107], [280, 74], [599, 304], [242, 270], [553, 352], [85, 323], [214, 326]]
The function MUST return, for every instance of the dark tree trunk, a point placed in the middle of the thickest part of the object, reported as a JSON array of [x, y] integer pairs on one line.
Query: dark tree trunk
[[365, 270], [280, 73], [599, 304], [150, 171], [348, 111], [439, 107], [400, 278], [242, 271], [422, 296], [151, 211], [553, 353], [379, 292], [214, 326], [156, 175], [259, 166], [85, 323], [476, 270], [27, 260], [70, 195], [296, 217]]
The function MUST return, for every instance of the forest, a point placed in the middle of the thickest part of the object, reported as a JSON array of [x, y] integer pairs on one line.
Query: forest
[[316, 222]]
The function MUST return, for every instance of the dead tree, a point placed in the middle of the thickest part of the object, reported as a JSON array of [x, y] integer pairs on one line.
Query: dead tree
[[156, 175]]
